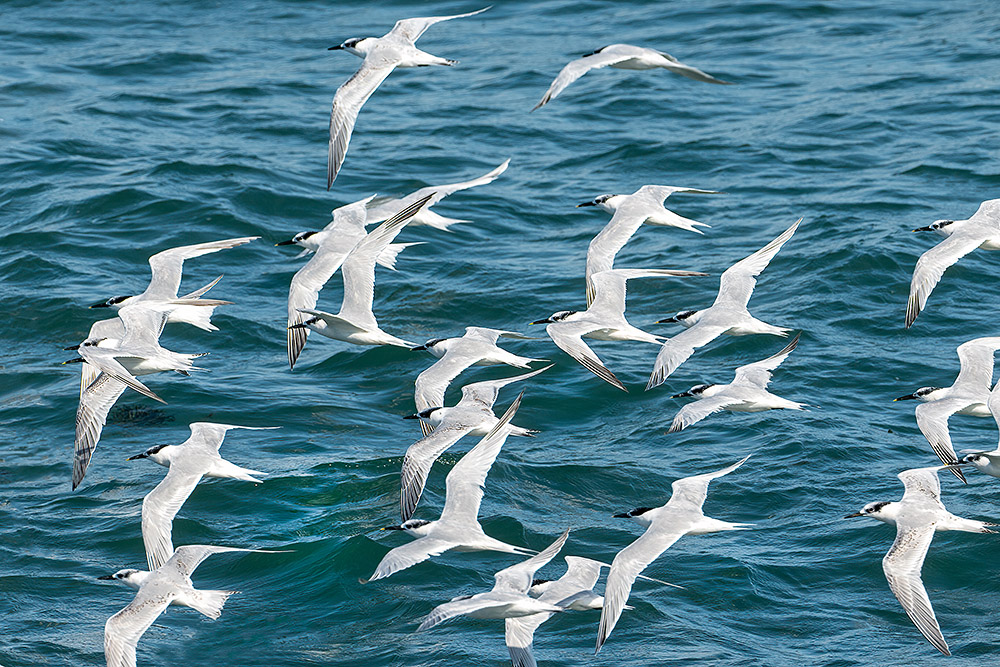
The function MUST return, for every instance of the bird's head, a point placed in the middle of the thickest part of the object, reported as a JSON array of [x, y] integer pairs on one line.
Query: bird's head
[[922, 394], [607, 202], [555, 317], [357, 45], [696, 390], [683, 317], [881, 510], [113, 302], [939, 226], [150, 453], [298, 239]]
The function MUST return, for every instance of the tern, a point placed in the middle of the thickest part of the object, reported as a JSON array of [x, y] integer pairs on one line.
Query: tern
[[968, 395], [477, 347], [629, 212], [746, 393], [682, 515], [113, 363], [604, 319], [355, 323], [458, 527], [473, 415], [331, 246], [622, 56], [187, 462], [916, 517], [982, 230], [170, 584], [390, 207], [728, 315], [509, 597], [380, 56], [166, 267]]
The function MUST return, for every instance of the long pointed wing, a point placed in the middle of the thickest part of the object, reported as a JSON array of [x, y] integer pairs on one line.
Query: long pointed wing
[[577, 68], [738, 281], [931, 266], [417, 462], [167, 265], [359, 267], [690, 492], [902, 566], [609, 287], [464, 484], [519, 634], [210, 435], [388, 208], [626, 566], [412, 29], [758, 374], [696, 411], [568, 337], [143, 325], [347, 102], [676, 350], [517, 578], [677, 67], [976, 359], [922, 483], [431, 384], [449, 610], [409, 555], [609, 241], [92, 413], [104, 359], [159, 508], [932, 419], [123, 630], [487, 392], [189, 556]]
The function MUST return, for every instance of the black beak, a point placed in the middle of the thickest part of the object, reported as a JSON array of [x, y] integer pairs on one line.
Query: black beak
[[288, 242], [908, 397], [144, 455], [851, 516], [547, 320], [418, 347], [339, 47], [107, 577], [586, 203], [393, 528], [682, 394], [626, 515], [101, 304], [414, 416], [669, 319], [73, 347], [78, 360], [300, 325], [924, 229]]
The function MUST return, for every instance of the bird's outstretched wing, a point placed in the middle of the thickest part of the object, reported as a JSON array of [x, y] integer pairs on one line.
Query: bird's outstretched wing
[[676, 350], [902, 566], [412, 29], [167, 265], [758, 374], [932, 265], [347, 102], [738, 281], [577, 68]]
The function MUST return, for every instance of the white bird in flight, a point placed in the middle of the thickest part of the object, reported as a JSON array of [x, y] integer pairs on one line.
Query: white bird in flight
[[604, 319], [509, 597], [917, 516], [473, 415], [629, 212], [477, 347], [331, 246], [187, 463], [458, 527], [390, 207], [728, 315], [982, 230], [355, 323], [161, 293], [746, 393], [968, 395], [682, 515], [622, 56], [380, 56], [170, 584]]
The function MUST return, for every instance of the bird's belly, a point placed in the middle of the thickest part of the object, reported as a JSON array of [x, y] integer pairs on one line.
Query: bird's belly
[[584, 603], [142, 366], [991, 243], [976, 410], [606, 334]]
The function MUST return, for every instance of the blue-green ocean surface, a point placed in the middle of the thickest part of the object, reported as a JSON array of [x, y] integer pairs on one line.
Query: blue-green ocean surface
[[129, 128]]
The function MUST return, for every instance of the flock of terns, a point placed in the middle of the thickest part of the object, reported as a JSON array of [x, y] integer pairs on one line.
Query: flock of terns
[[121, 349]]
